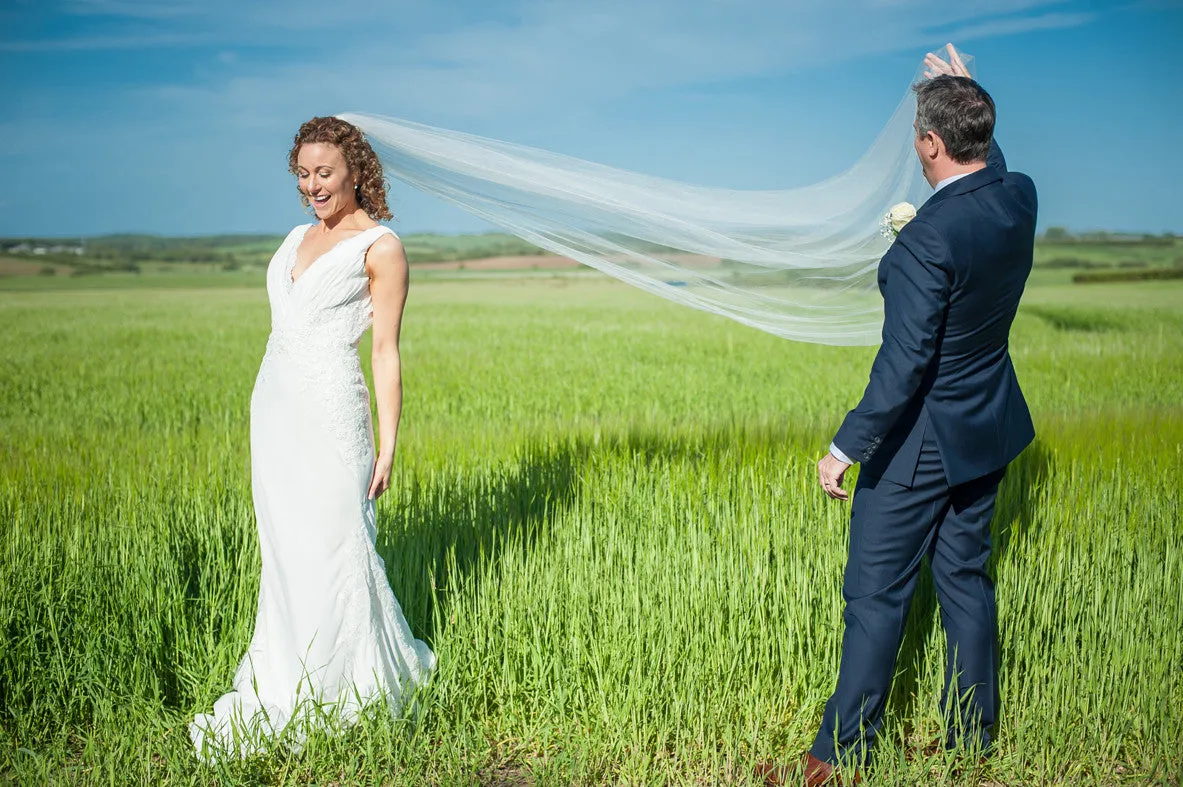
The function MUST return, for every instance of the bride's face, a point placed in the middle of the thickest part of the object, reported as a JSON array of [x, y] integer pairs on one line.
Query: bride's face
[[325, 179]]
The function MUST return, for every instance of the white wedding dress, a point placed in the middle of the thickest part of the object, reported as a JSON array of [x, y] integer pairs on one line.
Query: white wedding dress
[[329, 635]]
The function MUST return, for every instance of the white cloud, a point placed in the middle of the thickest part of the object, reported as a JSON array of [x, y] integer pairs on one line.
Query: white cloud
[[113, 42], [136, 9], [554, 53], [1012, 26], [232, 15]]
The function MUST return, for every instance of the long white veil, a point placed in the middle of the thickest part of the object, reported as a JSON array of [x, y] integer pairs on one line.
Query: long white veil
[[798, 263]]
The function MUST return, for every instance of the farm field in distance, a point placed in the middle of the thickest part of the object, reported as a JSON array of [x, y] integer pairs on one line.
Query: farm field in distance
[[239, 260], [604, 518]]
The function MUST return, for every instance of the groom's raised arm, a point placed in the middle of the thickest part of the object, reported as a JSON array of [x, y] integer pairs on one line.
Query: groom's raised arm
[[915, 299], [934, 66]]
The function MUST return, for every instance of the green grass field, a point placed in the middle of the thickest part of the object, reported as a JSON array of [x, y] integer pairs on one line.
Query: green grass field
[[604, 519]]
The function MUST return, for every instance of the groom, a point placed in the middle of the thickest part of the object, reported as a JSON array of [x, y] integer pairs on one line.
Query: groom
[[941, 418]]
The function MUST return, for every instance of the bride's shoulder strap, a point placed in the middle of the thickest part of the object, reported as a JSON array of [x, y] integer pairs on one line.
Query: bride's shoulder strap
[[374, 233]]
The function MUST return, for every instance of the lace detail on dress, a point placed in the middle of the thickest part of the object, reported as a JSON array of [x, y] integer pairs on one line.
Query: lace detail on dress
[[332, 377], [316, 324], [374, 613]]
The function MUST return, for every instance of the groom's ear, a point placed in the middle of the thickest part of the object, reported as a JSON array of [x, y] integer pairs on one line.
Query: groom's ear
[[932, 145]]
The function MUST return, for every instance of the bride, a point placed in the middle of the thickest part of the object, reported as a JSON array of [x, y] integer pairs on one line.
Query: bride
[[329, 635]]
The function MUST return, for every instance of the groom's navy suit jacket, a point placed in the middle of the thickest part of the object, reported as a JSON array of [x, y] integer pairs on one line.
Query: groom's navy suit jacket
[[951, 285]]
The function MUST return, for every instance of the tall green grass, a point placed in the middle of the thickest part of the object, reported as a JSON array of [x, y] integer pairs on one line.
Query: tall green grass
[[604, 519]]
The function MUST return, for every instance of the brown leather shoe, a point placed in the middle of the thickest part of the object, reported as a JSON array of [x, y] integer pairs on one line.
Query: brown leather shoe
[[773, 774], [810, 772]]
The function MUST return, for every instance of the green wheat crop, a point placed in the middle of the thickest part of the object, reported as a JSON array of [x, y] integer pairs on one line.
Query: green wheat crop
[[604, 519]]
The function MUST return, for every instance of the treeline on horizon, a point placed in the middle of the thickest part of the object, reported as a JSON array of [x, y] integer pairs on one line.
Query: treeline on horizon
[[248, 249], [158, 247], [1097, 255]]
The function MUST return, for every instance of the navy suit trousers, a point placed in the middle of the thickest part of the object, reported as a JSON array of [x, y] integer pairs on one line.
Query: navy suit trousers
[[892, 528]]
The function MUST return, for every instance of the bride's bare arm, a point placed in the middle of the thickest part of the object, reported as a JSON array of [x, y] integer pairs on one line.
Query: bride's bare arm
[[386, 264]]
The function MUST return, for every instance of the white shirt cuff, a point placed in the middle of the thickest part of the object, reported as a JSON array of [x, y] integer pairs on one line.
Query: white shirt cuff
[[841, 457]]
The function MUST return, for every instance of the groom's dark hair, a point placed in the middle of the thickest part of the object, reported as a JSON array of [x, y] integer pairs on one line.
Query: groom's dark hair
[[960, 112]]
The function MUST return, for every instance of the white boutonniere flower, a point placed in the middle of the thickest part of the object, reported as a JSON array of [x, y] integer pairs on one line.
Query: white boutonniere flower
[[899, 215]]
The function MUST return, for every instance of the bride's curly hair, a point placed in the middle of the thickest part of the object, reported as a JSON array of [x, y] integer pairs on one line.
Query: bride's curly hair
[[359, 157]]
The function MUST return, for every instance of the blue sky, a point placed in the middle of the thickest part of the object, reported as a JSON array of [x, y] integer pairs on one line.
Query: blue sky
[[175, 117]]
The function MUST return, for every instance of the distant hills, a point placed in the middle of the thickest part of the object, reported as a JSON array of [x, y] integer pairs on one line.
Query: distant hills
[[249, 249], [1093, 253]]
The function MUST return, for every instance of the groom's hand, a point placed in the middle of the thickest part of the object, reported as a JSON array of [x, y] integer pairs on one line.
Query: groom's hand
[[830, 471], [935, 66]]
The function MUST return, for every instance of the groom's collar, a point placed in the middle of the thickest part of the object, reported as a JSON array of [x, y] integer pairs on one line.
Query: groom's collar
[[963, 185], [951, 180]]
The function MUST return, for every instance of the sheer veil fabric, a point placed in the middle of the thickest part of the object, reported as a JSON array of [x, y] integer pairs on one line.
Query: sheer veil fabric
[[798, 263]]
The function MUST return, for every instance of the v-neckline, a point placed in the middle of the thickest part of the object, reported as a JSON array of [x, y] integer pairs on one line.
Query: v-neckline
[[296, 254]]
